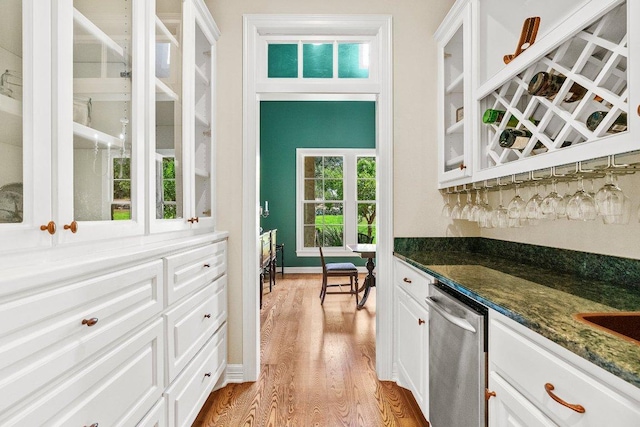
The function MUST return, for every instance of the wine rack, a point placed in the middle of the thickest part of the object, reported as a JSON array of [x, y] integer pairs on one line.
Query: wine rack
[[594, 58]]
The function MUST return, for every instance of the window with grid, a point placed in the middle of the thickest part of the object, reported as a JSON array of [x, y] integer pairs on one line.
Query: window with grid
[[336, 199], [121, 197]]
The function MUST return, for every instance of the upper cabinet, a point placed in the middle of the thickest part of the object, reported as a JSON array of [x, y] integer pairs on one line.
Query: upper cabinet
[[107, 123], [184, 86], [454, 93], [563, 98]]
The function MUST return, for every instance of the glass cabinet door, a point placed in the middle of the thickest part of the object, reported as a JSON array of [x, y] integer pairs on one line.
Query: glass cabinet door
[[203, 123], [25, 125], [168, 163], [99, 107]]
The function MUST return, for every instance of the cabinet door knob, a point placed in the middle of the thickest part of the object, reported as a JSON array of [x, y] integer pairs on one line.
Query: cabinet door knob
[[50, 227], [639, 110], [578, 408], [73, 226], [420, 321], [489, 394], [90, 322], [462, 166], [406, 280], [207, 316], [208, 374]]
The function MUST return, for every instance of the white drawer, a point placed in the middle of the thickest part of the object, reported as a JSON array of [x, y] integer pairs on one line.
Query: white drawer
[[192, 322], [156, 417], [190, 270], [413, 281], [527, 366], [190, 390], [116, 389], [42, 334]]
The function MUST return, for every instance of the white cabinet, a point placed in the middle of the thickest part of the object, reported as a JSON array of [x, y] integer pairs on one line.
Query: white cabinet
[[589, 110], [454, 94], [537, 382], [96, 341], [87, 86], [412, 331]]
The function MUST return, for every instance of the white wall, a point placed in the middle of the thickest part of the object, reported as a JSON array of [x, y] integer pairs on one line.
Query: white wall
[[417, 202]]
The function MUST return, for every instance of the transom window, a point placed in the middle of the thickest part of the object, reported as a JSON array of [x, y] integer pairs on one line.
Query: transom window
[[336, 199], [318, 59]]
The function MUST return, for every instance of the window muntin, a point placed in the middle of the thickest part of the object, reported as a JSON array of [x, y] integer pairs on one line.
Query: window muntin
[[336, 199], [121, 196]]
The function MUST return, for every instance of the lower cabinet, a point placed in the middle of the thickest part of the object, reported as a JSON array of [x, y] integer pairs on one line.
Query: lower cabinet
[[107, 348], [539, 383], [412, 331]]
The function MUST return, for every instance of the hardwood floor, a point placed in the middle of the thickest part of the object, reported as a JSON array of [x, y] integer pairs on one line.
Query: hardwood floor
[[317, 367]]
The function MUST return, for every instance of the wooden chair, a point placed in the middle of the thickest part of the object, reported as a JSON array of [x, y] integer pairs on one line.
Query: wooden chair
[[338, 269]]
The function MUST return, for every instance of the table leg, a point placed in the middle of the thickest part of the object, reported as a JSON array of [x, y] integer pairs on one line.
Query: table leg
[[369, 282]]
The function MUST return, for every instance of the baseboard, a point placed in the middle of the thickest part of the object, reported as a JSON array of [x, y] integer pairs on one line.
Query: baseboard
[[312, 270], [234, 374]]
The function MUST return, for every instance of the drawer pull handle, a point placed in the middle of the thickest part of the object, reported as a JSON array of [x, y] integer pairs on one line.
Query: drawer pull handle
[[192, 220], [73, 227], [93, 425], [50, 227], [406, 280], [208, 374], [549, 388], [207, 265], [208, 316], [489, 394], [420, 322], [90, 322]]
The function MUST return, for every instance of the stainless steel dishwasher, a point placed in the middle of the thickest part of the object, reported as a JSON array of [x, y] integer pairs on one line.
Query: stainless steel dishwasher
[[457, 358]]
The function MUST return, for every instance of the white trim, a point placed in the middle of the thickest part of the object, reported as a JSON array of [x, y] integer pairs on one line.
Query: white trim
[[315, 270], [233, 374], [380, 27]]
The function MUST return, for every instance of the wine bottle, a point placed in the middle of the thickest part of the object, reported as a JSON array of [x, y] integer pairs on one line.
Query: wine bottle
[[619, 124], [492, 116], [495, 117], [548, 85], [517, 139]]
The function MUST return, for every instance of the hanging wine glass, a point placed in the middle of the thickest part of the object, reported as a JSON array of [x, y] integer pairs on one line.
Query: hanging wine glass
[[532, 209], [466, 210], [484, 217], [457, 209], [610, 201], [550, 204], [500, 216], [581, 206], [515, 209], [474, 214], [446, 209]]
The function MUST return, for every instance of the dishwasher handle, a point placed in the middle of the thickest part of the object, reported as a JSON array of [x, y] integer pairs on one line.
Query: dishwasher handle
[[458, 321]]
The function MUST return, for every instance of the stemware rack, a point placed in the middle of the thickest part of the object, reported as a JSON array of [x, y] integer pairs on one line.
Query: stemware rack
[[596, 59]]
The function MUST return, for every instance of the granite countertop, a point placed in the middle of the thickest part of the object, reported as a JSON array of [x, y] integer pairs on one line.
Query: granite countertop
[[543, 300]]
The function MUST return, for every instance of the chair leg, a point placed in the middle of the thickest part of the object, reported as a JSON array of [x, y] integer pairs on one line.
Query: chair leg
[[323, 292], [356, 291]]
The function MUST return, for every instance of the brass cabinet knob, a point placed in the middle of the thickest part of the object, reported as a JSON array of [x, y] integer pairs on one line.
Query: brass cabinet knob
[[639, 110], [578, 408], [73, 226], [90, 322], [489, 394], [406, 280], [50, 227], [420, 321]]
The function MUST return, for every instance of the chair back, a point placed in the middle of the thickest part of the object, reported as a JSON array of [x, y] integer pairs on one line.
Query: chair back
[[324, 266]]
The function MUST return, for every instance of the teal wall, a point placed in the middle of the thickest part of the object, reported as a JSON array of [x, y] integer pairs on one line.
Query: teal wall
[[287, 125]]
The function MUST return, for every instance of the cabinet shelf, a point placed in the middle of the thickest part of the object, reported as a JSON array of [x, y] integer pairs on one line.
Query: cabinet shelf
[[456, 85], [457, 127], [202, 75], [164, 92], [202, 173], [165, 31], [96, 32], [90, 134], [455, 161]]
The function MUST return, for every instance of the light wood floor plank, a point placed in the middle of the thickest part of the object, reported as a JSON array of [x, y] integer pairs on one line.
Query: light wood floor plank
[[317, 367]]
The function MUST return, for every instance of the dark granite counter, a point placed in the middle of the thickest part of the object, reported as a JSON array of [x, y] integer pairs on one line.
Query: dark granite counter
[[543, 296]]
